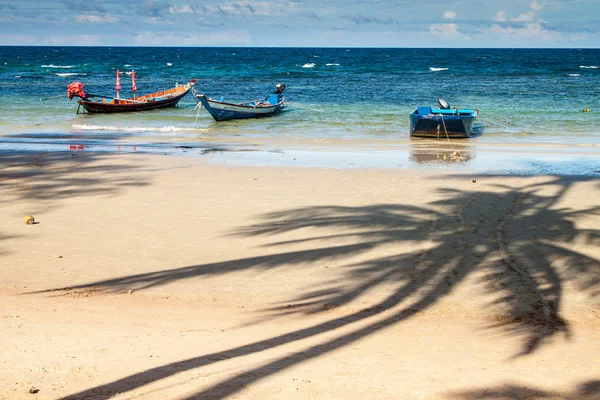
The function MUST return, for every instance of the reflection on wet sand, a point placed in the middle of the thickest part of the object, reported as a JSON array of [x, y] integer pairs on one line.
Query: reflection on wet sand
[[427, 151]]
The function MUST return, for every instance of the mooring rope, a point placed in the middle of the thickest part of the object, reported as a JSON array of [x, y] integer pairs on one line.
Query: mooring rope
[[51, 97], [447, 137], [198, 106], [497, 119]]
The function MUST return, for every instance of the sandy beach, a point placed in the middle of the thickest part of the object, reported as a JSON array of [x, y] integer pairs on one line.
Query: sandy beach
[[164, 277]]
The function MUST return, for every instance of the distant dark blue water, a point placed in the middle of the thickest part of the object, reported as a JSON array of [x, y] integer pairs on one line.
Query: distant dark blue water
[[525, 96]]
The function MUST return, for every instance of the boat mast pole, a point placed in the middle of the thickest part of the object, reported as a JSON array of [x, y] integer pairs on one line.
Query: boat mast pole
[[118, 85], [133, 85]]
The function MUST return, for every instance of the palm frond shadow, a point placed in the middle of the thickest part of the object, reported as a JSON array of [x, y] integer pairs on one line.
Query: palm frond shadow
[[6, 238], [589, 390], [516, 238], [53, 176], [522, 271]]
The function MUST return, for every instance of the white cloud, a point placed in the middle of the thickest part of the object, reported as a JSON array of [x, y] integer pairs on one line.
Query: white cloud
[[449, 15], [500, 16], [220, 38], [535, 6], [530, 15], [96, 19], [185, 9], [264, 8], [444, 29], [531, 29], [157, 21]]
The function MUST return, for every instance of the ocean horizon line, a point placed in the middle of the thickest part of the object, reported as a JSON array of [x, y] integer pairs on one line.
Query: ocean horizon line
[[300, 47]]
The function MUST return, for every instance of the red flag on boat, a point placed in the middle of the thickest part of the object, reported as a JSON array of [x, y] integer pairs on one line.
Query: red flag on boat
[[118, 87], [133, 85]]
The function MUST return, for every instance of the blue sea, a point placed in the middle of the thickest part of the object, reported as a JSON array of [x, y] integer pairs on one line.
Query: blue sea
[[338, 98]]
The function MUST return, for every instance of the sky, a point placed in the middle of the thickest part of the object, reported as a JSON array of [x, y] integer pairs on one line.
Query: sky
[[302, 23]]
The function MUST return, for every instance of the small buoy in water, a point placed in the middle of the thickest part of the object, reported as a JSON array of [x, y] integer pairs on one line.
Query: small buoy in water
[[29, 220], [586, 110]]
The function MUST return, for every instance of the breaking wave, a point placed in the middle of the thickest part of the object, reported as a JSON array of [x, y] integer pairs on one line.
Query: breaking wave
[[71, 74], [588, 66], [56, 66], [309, 65], [164, 129], [437, 69], [332, 64]]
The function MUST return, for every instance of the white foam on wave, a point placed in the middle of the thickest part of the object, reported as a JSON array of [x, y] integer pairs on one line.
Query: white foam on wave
[[56, 66], [85, 127], [127, 65], [437, 69], [332, 64], [588, 66], [127, 73], [71, 74], [574, 74], [309, 65], [169, 64]]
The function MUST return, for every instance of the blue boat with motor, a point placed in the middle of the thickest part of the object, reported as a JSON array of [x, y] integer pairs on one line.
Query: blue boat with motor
[[222, 111], [442, 122]]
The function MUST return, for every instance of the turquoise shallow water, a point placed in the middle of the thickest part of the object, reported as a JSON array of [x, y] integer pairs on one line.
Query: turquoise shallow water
[[344, 98]]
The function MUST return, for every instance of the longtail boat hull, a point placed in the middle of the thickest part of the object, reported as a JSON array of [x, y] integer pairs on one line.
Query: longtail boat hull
[[152, 101], [118, 106]]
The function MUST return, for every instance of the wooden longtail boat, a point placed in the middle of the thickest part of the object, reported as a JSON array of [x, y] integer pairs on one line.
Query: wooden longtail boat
[[151, 101], [442, 122], [222, 111]]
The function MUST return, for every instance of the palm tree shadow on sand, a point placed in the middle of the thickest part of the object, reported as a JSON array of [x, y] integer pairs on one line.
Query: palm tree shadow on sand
[[51, 176], [585, 391], [41, 179], [516, 238]]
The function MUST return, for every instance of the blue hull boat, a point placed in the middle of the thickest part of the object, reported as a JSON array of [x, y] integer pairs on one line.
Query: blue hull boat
[[442, 122], [222, 111]]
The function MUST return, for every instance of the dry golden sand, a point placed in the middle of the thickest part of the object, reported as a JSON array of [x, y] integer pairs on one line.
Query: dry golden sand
[[153, 277]]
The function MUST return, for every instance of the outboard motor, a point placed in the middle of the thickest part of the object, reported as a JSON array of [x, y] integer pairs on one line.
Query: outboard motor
[[443, 104], [279, 88], [76, 89]]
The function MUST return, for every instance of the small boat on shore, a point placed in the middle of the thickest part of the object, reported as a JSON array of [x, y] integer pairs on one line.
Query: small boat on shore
[[442, 122], [222, 111], [108, 104]]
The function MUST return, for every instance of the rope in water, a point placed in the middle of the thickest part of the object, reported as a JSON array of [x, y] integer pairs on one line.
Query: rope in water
[[447, 137], [198, 106], [52, 97], [497, 119]]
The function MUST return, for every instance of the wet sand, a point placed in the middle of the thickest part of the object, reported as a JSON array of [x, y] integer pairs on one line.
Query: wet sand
[[152, 276]]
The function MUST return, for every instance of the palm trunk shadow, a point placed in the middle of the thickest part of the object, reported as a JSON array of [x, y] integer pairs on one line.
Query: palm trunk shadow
[[421, 278]]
